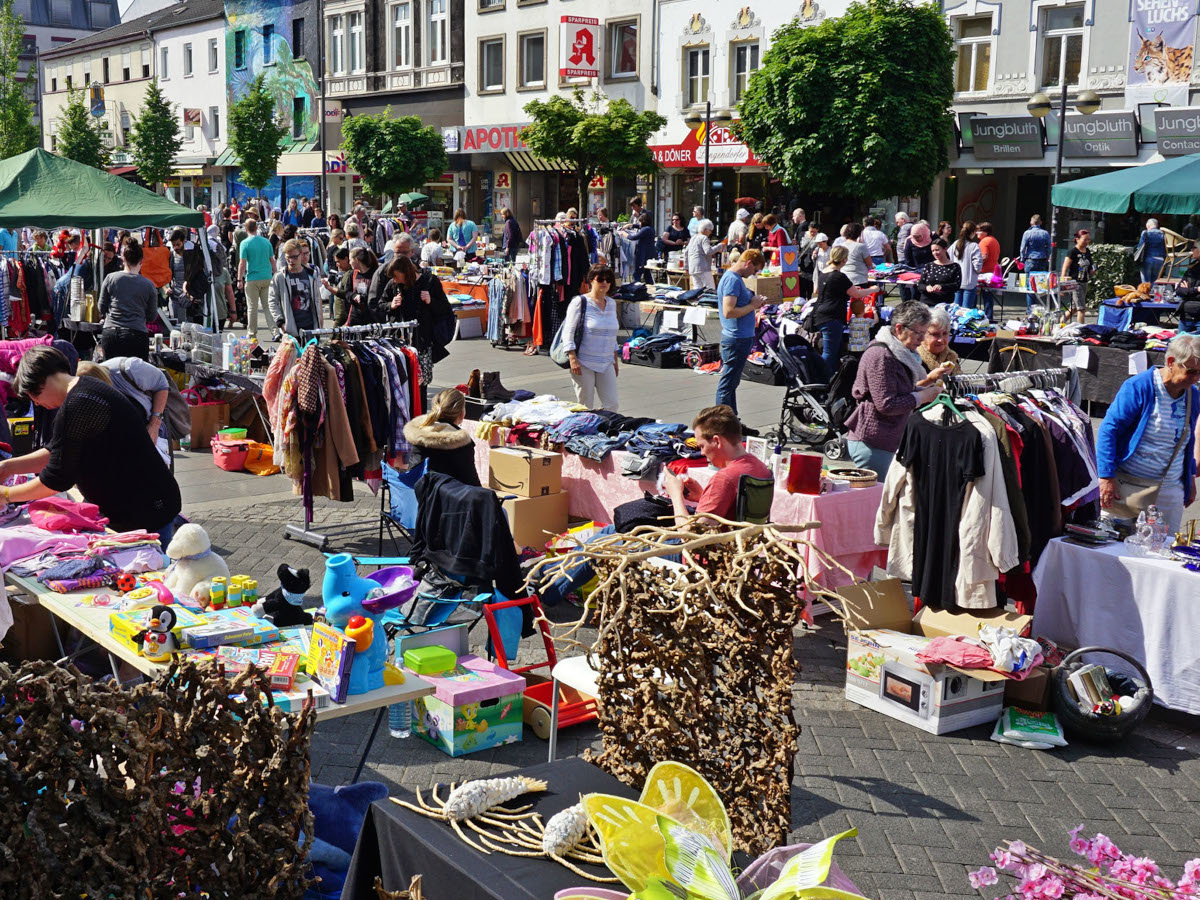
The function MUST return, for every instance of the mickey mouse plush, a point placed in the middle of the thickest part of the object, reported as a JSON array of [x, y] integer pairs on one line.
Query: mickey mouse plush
[[285, 605]]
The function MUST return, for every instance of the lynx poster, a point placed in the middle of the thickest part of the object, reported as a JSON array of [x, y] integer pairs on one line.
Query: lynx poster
[[1162, 35]]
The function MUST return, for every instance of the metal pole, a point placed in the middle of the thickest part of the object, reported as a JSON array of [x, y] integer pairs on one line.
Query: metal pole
[[707, 138], [1062, 127], [321, 103]]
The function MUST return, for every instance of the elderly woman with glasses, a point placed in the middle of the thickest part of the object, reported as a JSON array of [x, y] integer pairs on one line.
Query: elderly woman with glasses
[[295, 294], [890, 384], [1145, 446], [595, 355]]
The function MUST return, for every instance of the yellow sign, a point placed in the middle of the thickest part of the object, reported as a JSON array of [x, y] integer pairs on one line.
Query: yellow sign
[[192, 172]]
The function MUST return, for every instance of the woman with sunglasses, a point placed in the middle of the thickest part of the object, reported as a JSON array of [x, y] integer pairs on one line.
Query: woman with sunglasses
[[674, 238], [595, 358]]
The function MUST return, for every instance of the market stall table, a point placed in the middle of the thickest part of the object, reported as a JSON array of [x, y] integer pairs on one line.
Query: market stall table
[[476, 290], [1099, 380], [1113, 313], [1105, 597], [668, 275], [396, 844]]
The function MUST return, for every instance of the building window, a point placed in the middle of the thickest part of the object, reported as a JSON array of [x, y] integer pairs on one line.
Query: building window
[[533, 59], [104, 70], [1062, 45], [126, 122], [189, 131], [164, 69], [298, 38], [239, 49], [187, 60], [357, 56], [298, 118], [214, 117], [491, 65], [337, 45], [214, 59], [401, 35], [745, 64], [622, 49], [696, 76], [973, 48], [438, 30], [125, 71], [268, 45], [101, 14], [87, 77], [485, 5], [146, 62], [60, 12], [70, 79], [28, 47]]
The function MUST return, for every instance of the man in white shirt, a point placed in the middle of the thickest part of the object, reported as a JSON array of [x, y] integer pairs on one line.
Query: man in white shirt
[[875, 240]]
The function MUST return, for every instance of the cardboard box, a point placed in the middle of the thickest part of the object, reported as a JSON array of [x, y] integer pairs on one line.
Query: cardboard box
[[31, 635], [535, 520], [770, 286], [524, 471], [1033, 693], [884, 674], [207, 420], [475, 705]]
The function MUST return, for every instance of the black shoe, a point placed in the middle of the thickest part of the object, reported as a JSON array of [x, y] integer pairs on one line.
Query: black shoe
[[747, 431]]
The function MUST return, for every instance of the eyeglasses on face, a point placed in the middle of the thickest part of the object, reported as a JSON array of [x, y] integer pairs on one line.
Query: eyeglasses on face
[[293, 256]]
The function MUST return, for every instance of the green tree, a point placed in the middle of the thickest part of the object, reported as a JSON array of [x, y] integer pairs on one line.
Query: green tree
[[612, 141], [255, 133], [858, 105], [154, 138], [79, 133], [393, 154], [17, 131]]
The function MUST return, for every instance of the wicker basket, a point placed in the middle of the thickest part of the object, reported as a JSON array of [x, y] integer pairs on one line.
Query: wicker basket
[[855, 477], [1102, 729]]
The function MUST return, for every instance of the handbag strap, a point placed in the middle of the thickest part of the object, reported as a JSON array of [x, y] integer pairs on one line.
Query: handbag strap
[[1183, 435]]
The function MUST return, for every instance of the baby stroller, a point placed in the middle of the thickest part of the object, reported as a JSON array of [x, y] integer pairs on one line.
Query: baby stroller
[[805, 417]]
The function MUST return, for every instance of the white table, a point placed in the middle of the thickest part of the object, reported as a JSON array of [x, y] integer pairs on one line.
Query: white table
[[1149, 608]]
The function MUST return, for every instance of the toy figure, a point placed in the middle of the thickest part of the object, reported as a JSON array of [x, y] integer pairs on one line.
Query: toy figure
[[284, 606], [158, 643], [193, 563]]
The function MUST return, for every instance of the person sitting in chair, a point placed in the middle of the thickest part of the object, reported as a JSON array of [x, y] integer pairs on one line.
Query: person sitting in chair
[[719, 435]]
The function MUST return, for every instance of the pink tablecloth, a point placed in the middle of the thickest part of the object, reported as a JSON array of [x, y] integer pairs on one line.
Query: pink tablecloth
[[847, 517]]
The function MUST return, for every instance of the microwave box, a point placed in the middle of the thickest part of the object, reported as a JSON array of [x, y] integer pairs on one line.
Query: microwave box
[[884, 674], [535, 520], [525, 471]]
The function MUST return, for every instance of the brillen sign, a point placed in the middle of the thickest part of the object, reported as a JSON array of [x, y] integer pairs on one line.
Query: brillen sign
[[1007, 137]]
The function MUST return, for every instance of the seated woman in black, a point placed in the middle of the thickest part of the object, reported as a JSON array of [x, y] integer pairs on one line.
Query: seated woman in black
[[439, 438], [1187, 292]]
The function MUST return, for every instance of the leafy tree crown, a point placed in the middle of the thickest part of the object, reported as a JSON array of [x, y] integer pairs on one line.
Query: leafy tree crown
[[18, 133], [154, 138], [255, 134], [393, 154], [79, 133]]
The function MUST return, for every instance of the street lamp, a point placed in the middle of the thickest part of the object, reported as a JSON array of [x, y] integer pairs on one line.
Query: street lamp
[[1039, 105], [695, 120]]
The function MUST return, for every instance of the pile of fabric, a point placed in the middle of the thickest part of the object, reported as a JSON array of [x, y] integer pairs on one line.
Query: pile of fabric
[[997, 648]]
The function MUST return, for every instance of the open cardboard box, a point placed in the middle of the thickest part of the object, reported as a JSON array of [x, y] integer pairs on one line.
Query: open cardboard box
[[884, 674]]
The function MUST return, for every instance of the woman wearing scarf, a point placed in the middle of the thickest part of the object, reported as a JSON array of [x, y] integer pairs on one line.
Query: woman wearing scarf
[[890, 384]]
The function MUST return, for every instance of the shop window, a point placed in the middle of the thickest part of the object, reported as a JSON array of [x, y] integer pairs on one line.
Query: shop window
[[337, 45], [298, 38], [439, 24], [214, 55], [125, 70], [104, 70], [357, 56], [491, 65], [745, 63], [623, 49], [696, 76], [239, 49], [533, 59], [268, 45], [187, 60], [1061, 35], [401, 35], [298, 118], [164, 67], [973, 49]]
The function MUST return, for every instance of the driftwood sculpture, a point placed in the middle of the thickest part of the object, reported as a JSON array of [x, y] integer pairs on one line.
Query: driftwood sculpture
[[695, 659], [413, 892], [172, 789]]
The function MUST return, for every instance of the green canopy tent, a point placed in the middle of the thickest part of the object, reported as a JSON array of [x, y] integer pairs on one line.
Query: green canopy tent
[[39, 189], [1168, 187]]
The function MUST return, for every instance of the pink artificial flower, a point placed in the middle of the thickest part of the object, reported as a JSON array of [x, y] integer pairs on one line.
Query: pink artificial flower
[[1079, 845], [1036, 872], [1002, 858], [984, 877], [1017, 848], [1191, 872], [1102, 849]]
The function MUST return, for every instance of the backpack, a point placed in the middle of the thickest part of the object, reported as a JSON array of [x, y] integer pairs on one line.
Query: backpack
[[219, 257], [176, 415]]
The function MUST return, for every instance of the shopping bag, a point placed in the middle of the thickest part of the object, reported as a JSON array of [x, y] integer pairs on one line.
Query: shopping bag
[[156, 259], [557, 354], [260, 459]]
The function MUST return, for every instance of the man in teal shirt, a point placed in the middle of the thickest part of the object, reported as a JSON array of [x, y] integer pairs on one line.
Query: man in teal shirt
[[255, 270], [736, 305]]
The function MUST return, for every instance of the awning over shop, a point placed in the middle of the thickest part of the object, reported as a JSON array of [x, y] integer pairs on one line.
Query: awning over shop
[[121, 170], [227, 158], [529, 162], [1170, 187], [38, 188]]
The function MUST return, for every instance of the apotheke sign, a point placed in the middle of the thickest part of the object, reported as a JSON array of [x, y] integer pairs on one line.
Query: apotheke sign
[[1178, 130], [484, 139], [1007, 137], [1101, 134]]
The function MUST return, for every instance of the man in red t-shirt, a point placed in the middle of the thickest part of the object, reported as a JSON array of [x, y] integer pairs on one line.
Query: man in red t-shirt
[[719, 434], [989, 247]]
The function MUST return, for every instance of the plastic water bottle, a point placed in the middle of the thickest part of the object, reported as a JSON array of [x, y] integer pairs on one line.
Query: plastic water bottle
[[400, 719]]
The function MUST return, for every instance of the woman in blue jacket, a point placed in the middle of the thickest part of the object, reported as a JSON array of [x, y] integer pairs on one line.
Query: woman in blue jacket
[[1148, 435], [1155, 243]]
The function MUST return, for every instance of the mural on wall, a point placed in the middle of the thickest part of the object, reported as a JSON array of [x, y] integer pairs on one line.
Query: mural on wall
[[288, 77], [979, 205]]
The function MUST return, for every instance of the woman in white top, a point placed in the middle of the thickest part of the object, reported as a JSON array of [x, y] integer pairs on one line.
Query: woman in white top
[[820, 250], [965, 251], [594, 360], [699, 256], [431, 251], [859, 263]]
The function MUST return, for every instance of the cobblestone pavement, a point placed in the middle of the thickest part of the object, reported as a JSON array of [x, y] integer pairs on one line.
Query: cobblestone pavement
[[927, 808]]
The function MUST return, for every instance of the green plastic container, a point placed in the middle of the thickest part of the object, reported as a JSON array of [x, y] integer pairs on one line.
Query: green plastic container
[[232, 434], [431, 660]]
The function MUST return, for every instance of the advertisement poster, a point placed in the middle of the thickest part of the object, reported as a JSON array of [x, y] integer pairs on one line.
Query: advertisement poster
[[1162, 37]]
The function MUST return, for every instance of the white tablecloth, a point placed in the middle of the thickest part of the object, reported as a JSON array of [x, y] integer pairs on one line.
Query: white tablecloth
[[1150, 608]]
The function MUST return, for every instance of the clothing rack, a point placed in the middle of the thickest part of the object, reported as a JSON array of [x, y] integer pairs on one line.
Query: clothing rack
[[305, 534], [961, 385]]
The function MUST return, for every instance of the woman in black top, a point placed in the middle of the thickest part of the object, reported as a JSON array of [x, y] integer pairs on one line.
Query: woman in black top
[[1188, 294], [829, 312], [100, 444], [674, 238], [438, 437], [412, 296], [940, 278]]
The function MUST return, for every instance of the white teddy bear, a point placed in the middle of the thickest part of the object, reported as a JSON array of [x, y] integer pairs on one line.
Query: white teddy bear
[[193, 563]]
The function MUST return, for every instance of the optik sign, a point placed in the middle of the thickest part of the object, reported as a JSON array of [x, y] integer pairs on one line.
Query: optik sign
[[579, 47]]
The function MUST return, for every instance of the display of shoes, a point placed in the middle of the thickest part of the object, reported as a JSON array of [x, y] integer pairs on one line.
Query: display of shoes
[[493, 390], [474, 388]]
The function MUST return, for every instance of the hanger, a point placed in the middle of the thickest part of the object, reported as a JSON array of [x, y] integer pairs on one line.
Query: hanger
[[945, 400]]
